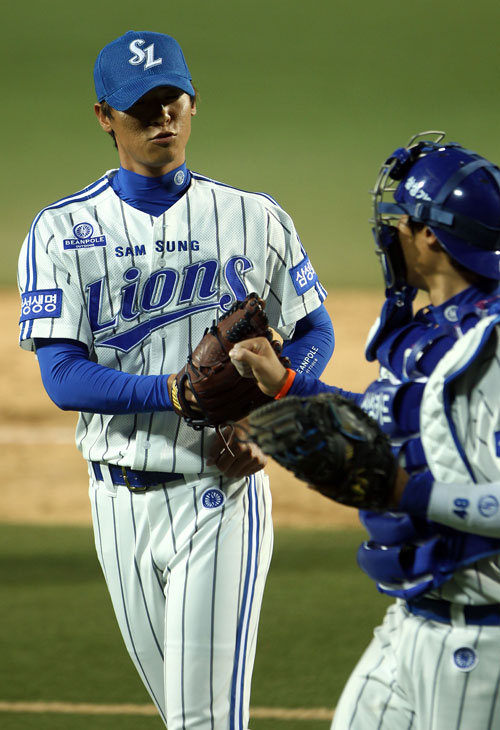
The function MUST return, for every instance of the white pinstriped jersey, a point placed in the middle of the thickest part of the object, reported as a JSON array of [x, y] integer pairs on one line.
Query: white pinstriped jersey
[[140, 291], [417, 673], [475, 415]]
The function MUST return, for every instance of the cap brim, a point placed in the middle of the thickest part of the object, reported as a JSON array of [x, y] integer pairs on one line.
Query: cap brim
[[128, 95]]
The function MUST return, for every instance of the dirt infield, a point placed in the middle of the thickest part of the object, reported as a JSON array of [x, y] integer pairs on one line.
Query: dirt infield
[[45, 478]]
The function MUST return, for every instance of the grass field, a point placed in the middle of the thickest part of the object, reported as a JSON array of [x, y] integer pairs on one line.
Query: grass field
[[59, 641]]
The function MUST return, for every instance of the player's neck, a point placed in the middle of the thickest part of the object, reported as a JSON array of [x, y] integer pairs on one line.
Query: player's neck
[[445, 285], [147, 171]]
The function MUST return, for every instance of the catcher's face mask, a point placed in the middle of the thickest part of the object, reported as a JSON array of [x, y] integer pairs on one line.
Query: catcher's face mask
[[386, 214], [453, 191]]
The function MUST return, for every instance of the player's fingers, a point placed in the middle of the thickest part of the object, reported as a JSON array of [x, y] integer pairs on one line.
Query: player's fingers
[[239, 472], [241, 464], [190, 398], [260, 356], [276, 336], [223, 460], [234, 455], [243, 368], [220, 446], [249, 458], [251, 350], [230, 446], [249, 358]]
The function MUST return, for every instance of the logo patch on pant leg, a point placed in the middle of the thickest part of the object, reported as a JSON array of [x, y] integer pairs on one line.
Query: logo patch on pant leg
[[465, 658], [213, 498]]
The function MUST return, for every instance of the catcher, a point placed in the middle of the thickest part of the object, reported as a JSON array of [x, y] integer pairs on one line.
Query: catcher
[[431, 505]]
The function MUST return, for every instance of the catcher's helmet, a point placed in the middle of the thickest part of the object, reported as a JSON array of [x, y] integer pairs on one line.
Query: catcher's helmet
[[454, 191]]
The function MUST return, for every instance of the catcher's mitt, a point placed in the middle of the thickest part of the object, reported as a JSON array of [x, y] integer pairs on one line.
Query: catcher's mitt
[[220, 392], [330, 443]]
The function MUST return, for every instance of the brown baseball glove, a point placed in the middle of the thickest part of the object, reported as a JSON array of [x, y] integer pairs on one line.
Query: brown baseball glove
[[219, 392]]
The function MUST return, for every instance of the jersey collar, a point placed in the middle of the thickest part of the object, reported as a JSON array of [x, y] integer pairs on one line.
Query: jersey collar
[[153, 195], [447, 313]]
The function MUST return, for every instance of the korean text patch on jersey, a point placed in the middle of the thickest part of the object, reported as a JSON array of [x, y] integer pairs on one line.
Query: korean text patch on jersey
[[41, 303], [303, 276]]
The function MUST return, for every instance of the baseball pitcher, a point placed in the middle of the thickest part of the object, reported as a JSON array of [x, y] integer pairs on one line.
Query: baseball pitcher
[[119, 282]]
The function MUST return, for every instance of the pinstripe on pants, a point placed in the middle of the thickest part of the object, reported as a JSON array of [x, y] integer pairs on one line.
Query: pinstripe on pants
[[407, 678], [174, 595]]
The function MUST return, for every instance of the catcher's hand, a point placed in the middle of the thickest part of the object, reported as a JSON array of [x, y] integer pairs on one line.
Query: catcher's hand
[[257, 358], [330, 443], [209, 391]]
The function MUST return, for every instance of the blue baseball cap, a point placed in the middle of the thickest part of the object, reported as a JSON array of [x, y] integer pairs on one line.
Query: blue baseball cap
[[133, 64]]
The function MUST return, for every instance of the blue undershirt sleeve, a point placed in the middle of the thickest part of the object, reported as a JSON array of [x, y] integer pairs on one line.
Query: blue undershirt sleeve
[[312, 343], [75, 383], [305, 385]]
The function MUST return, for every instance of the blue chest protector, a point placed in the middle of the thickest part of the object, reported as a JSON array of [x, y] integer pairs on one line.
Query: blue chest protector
[[407, 555]]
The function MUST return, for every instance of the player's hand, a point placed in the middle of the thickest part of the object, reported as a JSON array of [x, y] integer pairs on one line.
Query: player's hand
[[256, 358], [233, 454]]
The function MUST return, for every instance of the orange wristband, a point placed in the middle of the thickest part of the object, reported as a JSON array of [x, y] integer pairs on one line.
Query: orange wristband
[[286, 385]]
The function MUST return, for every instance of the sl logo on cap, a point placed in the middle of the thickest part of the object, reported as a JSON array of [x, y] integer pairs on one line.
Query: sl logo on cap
[[143, 55]]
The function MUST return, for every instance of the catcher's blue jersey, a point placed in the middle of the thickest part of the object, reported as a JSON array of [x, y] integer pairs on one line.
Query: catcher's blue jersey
[[408, 356]]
